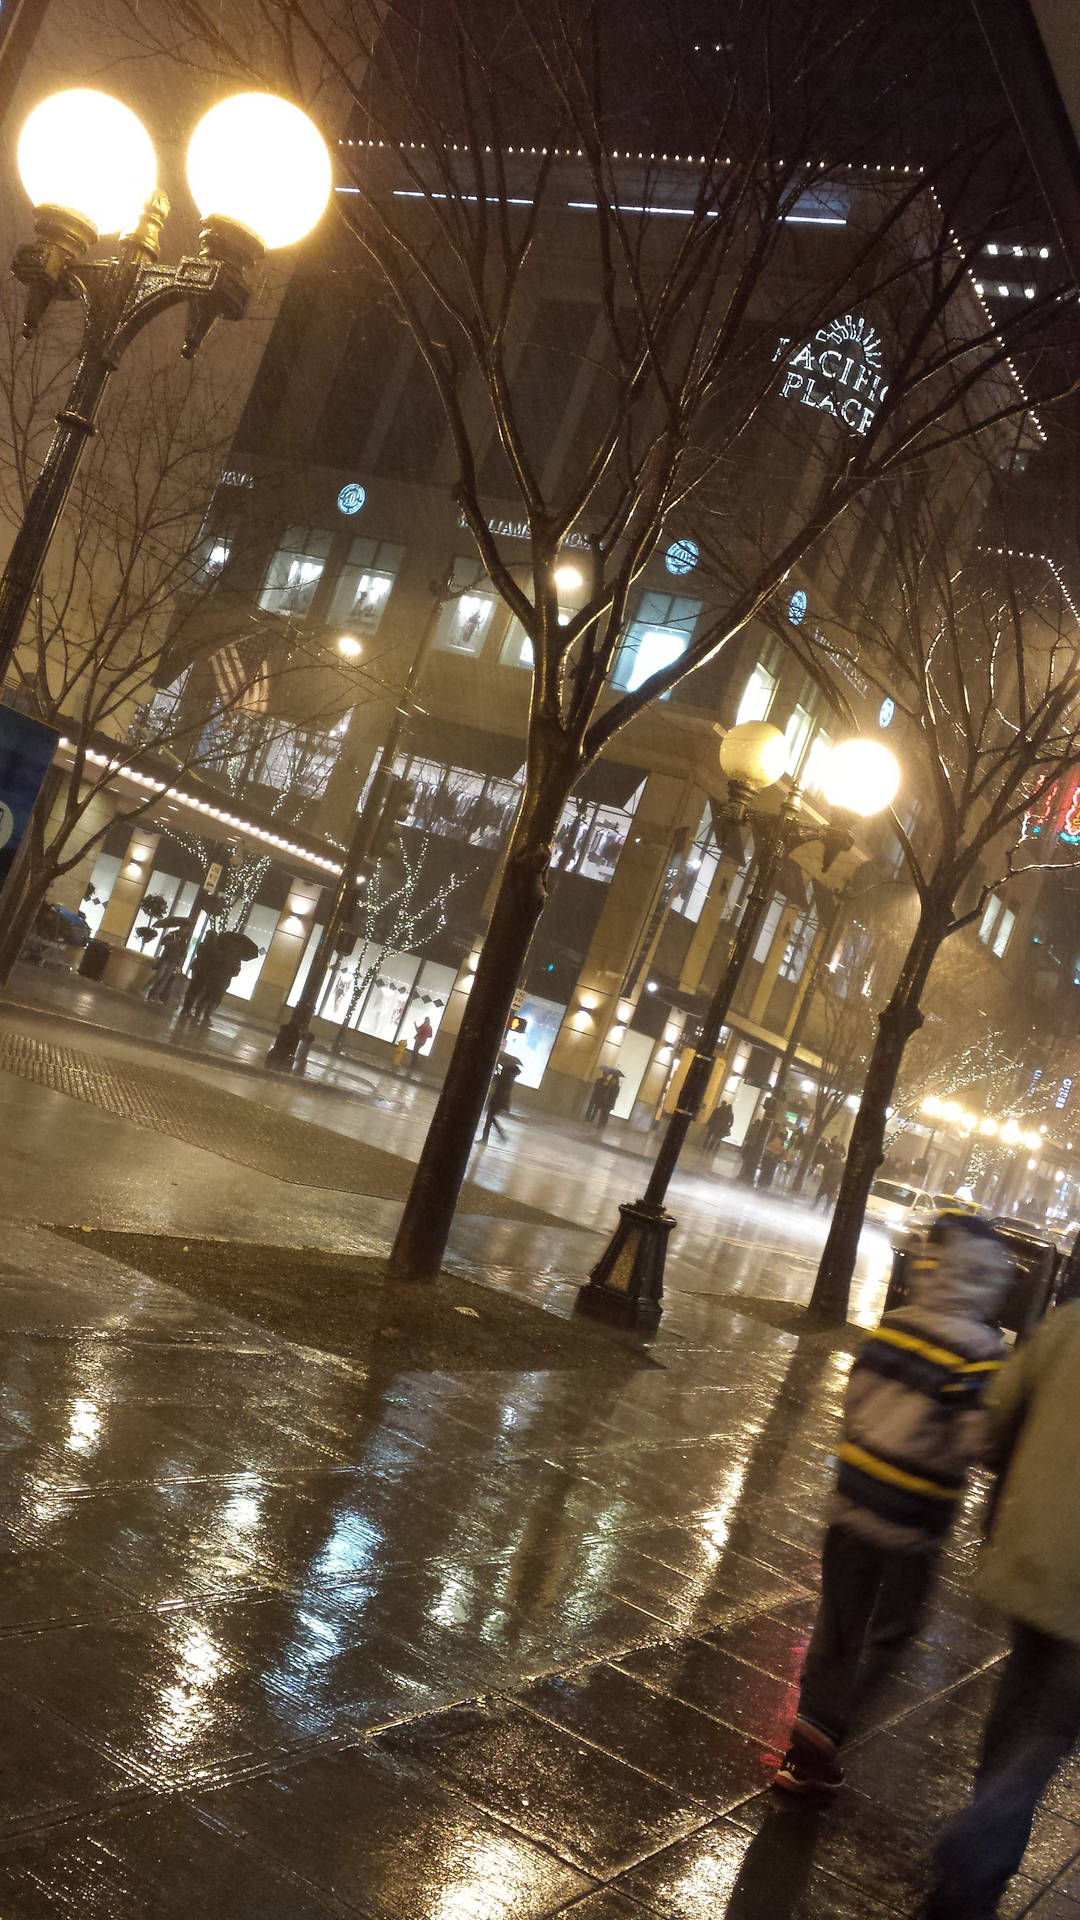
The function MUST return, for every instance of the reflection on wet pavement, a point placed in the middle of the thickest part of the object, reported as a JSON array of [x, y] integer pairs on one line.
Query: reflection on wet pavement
[[284, 1635]]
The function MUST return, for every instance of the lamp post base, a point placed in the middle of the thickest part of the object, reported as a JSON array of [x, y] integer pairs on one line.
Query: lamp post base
[[627, 1283], [288, 1052]]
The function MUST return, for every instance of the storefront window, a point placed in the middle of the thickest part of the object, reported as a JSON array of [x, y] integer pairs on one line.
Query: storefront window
[[592, 836], [294, 760], [260, 926], [96, 898], [698, 872], [517, 648], [295, 571], [179, 898], [364, 584], [542, 1018], [659, 635], [800, 941], [465, 619]]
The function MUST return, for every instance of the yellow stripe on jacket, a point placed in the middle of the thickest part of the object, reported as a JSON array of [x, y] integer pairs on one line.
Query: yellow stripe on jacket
[[942, 1356], [895, 1476]]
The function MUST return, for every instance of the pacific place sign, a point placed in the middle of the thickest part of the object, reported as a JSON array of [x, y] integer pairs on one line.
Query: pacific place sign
[[838, 371]]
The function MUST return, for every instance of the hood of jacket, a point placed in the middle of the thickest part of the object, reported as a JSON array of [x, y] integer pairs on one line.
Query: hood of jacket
[[962, 1273]]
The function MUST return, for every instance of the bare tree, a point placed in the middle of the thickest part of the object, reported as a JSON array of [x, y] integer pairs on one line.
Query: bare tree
[[121, 597], [743, 382], [843, 1032], [978, 649], [399, 910]]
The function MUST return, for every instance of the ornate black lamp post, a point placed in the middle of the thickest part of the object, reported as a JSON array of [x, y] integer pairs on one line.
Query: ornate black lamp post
[[259, 173], [627, 1282]]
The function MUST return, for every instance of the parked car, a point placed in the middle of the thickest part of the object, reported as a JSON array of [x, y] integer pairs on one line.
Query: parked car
[[894, 1204], [952, 1203]]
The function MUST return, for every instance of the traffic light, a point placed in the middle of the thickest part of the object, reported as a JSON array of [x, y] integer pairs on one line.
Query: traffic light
[[386, 840], [518, 1023]]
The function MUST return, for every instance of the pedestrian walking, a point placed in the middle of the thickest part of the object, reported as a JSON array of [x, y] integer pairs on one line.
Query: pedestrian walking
[[199, 973], [719, 1125], [498, 1102], [224, 966], [773, 1156], [913, 1427], [608, 1097], [421, 1037], [1031, 1571], [167, 964], [830, 1164], [750, 1152], [604, 1094]]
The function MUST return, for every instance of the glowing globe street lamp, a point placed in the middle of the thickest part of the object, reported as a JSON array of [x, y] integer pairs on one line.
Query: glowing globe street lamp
[[260, 176], [858, 778]]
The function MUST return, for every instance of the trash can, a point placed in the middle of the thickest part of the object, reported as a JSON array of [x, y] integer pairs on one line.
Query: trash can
[[897, 1289], [95, 960], [1037, 1259]]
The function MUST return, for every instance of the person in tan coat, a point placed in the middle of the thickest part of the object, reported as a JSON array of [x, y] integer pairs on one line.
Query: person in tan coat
[[1031, 1571]]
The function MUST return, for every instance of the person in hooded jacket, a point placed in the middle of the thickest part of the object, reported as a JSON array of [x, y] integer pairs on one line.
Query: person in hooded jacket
[[913, 1427], [1030, 1570]]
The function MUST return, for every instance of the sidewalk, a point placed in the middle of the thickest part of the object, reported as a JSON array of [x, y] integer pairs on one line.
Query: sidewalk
[[407, 1636], [236, 1040]]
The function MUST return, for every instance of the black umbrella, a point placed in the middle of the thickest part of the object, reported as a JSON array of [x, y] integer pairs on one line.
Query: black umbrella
[[236, 946]]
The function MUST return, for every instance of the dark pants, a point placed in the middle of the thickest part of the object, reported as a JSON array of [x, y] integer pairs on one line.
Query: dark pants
[[1034, 1724], [871, 1598], [491, 1119], [196, 988]]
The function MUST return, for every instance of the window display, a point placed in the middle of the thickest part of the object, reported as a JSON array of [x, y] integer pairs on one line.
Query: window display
[[364, 584], [295, 571], [660, 634], [542, 1018], [467, 616]]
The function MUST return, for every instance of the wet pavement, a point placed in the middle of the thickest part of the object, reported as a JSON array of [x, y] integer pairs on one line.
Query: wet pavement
[[282, 1634], [119, 1175], [294, 1624]]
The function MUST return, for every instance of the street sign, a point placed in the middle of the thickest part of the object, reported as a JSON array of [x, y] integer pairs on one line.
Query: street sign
[[518, 1000], [26, 751], [213, 877]]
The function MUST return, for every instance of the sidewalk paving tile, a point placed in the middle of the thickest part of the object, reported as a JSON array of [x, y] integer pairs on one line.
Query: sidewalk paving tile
[[388, 1838], [687, 1750], [585, 1805], [164, 1862], [725, 1870]]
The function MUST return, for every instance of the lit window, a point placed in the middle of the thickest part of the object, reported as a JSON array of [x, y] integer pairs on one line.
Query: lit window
[[517, 648], [655, 639], [1004, 931], [364, 584], [698, 872], [295, 571], [800, 941], [768, 930], [815, 762], [467, 615], [989, 920], [796, 738], [759, 694]]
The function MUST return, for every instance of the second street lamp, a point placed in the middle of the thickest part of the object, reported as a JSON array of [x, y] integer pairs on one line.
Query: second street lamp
[[260, 176], [860, 777]]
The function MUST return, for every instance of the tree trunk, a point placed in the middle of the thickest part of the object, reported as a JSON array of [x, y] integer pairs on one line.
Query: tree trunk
[[896, 1024], [429, 1210], [20, 911]]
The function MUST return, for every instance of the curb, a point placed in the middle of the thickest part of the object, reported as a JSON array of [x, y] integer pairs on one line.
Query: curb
[[173, 1050]]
